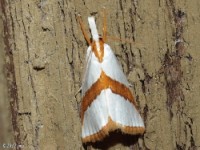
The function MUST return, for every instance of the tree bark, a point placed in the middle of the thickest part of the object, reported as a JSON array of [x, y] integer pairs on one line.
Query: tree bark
[[6, 128], [44, 52]]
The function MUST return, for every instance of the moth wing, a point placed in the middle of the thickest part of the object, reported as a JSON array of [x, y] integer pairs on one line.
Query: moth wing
[[96, 116], [111, 66], [92, 71], [110, 111], [122, 111]]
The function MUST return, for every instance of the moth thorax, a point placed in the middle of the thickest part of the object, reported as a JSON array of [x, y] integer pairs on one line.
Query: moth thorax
[[98, 46], [98, 49]]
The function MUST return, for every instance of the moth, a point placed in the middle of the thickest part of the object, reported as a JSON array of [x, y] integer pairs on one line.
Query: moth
[[107, 102]]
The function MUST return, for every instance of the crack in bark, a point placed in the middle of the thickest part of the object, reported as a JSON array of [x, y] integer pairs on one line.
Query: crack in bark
[[10, 68], [172, 60], [147, 77], [192, 141], [30, 66], [173, 74]]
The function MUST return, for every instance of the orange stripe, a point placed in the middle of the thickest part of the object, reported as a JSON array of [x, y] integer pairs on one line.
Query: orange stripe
[[105, 82], [111, 126]]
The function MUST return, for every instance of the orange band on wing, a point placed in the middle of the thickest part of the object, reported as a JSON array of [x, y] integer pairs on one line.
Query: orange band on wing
[[111, 126], [105, 82]]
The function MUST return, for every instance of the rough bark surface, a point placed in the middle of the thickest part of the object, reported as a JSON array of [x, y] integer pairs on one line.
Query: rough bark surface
[[44, 50], [6, 128]]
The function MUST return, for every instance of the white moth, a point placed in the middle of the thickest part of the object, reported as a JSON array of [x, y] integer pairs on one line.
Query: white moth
[[107, 102]]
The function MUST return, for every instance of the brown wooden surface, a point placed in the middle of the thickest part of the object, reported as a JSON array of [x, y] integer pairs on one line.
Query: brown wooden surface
[[43, 51]]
